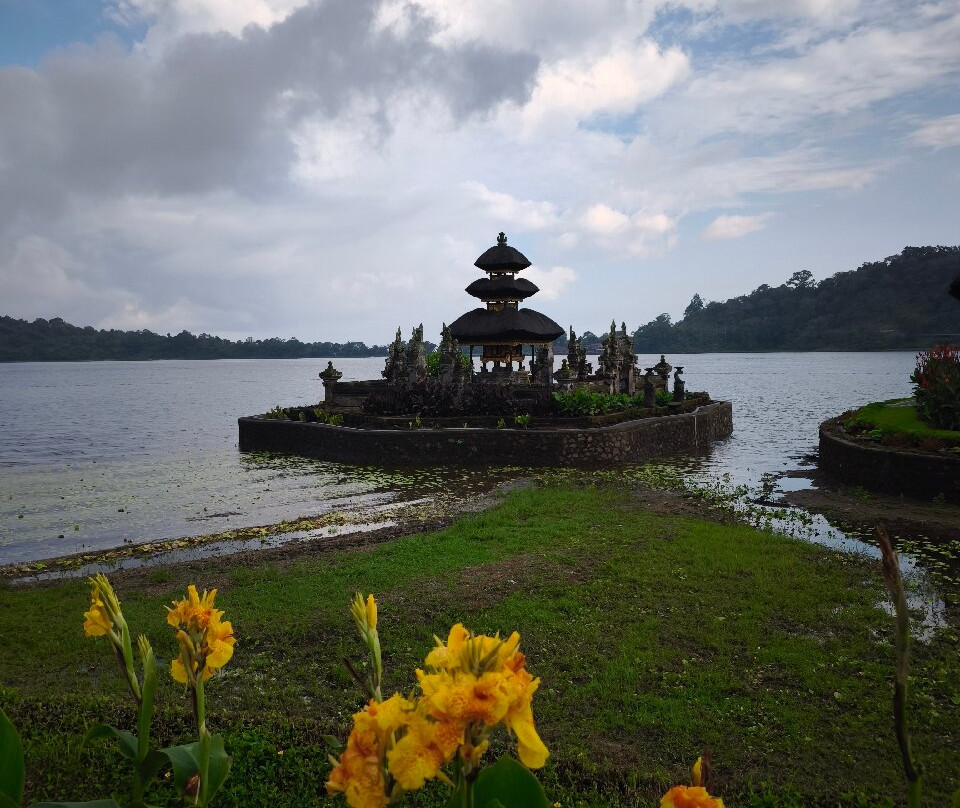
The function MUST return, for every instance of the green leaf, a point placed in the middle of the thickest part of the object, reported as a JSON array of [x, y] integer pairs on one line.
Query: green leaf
[[509, 784], [11, 762], [128, 741], [6, 802], [332, 741], [218, 767], [185, 760], [90, 804], [150, 765]]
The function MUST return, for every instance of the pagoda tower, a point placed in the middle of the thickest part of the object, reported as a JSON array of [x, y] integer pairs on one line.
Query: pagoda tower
[[502, 328]]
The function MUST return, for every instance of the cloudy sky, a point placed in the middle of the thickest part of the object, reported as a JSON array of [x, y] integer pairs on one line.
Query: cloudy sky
[[330, 169]]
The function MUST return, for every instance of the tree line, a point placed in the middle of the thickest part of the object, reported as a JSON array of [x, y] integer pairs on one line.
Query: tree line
[[900, 303], [57, 341]]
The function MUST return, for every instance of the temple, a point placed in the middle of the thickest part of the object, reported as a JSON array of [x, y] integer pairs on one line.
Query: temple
[[441, 407], [502, 328]]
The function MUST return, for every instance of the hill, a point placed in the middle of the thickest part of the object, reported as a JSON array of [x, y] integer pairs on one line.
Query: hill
[[900, 303]]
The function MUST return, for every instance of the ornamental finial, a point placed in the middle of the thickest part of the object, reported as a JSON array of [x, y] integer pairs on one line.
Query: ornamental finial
[[502, 240]]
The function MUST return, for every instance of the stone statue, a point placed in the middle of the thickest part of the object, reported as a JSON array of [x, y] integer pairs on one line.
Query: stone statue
[[679, 385]]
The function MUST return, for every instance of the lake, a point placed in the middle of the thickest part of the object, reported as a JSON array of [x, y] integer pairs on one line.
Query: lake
[[100, 454]]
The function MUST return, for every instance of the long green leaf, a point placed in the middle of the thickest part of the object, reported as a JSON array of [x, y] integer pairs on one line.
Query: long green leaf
[[128, 741], [11, 761], [6, 802], [218, 767], [185, 760], [90, 804]]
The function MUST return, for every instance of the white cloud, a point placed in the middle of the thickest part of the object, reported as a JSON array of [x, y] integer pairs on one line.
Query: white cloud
[[939, 133], [614, 81], [605, 221], [172, 19], [638, 234], [727, 226], [552, 282], [841, 75], [525, 214]]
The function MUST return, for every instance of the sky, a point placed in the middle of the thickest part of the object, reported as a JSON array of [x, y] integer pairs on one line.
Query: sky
[[331, 169]]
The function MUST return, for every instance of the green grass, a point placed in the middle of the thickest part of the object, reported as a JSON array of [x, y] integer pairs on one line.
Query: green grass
[[892, 417], [655, 637]]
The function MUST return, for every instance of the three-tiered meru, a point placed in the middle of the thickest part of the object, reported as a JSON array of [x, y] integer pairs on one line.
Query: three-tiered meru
[[503, 328]]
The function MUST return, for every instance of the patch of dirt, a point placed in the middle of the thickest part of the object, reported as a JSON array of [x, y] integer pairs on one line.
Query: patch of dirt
[[851, 506], [670, 502]]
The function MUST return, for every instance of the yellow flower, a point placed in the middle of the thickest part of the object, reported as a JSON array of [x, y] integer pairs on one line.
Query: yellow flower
[[418, 755], [193, 612], [697, 772], [478, 682], [104, 616], [364, 614], [360, 774], [98, 620], [689, 797], [371, 613], [206, 642]]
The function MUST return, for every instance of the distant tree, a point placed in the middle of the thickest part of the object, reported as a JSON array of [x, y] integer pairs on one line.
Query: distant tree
[[696, 304], [803, 279]]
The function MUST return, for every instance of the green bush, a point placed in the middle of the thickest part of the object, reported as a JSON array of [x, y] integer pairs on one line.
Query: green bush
[[936, 389], [582, 403]]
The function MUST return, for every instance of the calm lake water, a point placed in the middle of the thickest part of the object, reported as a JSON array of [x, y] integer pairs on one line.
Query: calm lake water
[[104, 453]]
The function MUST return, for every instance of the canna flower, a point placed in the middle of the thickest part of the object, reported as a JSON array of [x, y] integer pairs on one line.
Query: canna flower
[[97, 622], [694, 796], [104, 616], [365, 616], [689, 797], [206, 641], [477, 682], [361, 772], [104, 619], [193, 612]]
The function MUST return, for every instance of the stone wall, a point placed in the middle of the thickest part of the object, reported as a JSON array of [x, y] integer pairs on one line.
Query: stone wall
[[631, 441], [923, 475]]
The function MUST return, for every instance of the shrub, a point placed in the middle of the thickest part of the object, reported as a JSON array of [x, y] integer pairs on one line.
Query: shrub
[[936, 389]]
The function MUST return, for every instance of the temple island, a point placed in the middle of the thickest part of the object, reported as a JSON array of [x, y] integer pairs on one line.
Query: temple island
[[517, 407]]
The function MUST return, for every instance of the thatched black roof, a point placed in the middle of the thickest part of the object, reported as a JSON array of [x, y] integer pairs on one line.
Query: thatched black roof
[[954, 288], [502, 287], [480, 327], [502, 258]]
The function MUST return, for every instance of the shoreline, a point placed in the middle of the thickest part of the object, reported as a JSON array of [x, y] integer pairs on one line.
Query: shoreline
[[852, 510], [405, 520]]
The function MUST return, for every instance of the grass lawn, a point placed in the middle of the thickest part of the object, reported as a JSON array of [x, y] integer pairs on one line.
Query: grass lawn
[[655, 637], [899, 416]]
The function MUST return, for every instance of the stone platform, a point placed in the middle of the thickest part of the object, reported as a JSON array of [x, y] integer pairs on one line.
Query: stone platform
[[917, 474], [626, 442]]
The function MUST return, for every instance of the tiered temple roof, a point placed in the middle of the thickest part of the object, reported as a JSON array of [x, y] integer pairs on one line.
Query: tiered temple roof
[[502, 328]]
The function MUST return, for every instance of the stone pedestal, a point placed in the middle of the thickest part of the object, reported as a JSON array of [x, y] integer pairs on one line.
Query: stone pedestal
[[330, 377]]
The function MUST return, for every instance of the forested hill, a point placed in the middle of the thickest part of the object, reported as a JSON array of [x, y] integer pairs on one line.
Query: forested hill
[[57, 341], [901, 302]]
